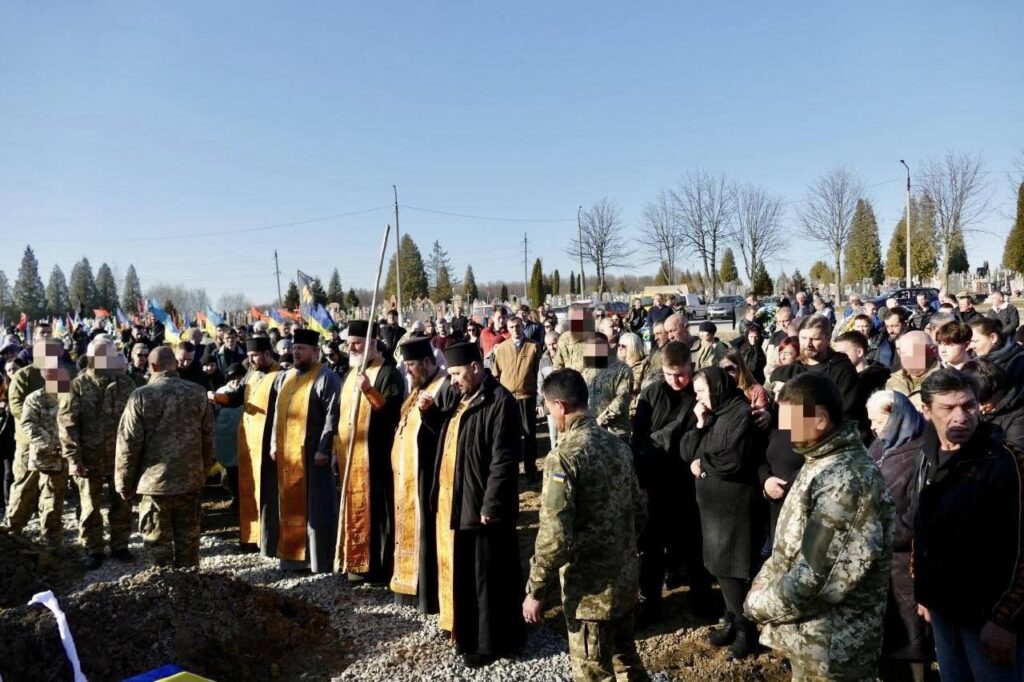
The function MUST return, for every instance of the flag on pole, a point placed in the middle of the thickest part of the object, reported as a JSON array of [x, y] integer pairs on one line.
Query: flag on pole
[[306, 297], [22, 323], [121, 317], [171, 333], [159, 313], [256, 314]]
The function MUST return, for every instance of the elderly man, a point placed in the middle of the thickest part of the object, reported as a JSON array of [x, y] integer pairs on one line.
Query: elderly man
[[1005, 312], [918, 360], [676, 329], [164, 447], [515, 365], [477, 505], [658, 312], [803, 306], [371, 403], [88, 421]]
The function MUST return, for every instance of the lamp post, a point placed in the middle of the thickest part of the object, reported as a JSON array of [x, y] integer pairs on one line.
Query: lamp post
[[908, 220]]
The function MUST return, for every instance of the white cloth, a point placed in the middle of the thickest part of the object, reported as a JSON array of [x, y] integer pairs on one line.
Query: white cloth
[[48, 600]]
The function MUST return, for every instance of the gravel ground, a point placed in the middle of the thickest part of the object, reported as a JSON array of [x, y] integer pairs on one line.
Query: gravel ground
[[384, 641]]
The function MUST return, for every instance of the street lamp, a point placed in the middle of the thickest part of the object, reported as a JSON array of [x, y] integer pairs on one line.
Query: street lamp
[[908, 220]]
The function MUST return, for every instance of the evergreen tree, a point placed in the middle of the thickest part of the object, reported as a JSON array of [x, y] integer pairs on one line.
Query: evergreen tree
[[438, 263], [958, 253], [556, 283], [863, 255], [799, 283], [132, 292], [291, 297], [923, 242], [535, 290], [661, 279], [414, 274], [82, 287], [352, 300], [761, 284], [106, 288], [728, 272], [622, 287], [503, 294], [572, 283], [7, 312], [58, 302], [28, 295], [1013, 252], [444, 291], [470, 292], [319, 295], [821, 272], [335, 294]]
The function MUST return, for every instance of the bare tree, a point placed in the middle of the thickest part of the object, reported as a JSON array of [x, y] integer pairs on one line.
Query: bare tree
[[705, 206], [758, 227], [603, 243], [661, 229], [956, 184], [233, 302], [827, 213]]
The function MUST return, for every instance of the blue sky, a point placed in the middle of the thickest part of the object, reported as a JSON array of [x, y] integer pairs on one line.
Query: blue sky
[[129, 130]]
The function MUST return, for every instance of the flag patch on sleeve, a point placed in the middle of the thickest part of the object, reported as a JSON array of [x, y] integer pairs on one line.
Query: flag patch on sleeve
[[558, 477]]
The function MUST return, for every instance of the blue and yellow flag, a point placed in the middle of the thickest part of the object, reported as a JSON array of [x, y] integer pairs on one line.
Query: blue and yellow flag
[[306, 297], [171, 333]]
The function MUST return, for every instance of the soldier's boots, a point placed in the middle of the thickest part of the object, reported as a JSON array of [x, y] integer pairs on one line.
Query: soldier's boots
[[745, 643], [725, 634]]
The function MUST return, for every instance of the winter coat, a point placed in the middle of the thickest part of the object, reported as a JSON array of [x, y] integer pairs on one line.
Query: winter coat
[[1008, 415], [1010, 319], [1009, 357], [841, 371]]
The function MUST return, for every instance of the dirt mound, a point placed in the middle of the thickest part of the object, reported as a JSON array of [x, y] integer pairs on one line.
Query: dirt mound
[[210, 624], [686, 655], [27, 567]]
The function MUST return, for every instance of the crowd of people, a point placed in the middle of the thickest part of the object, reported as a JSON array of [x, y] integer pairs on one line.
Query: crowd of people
[[852, 483]]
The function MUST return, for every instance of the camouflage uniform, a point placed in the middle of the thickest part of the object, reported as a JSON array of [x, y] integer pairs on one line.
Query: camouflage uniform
[[822, 594], [25, 490], [910, 386], [88, 433], [569, 354], [591, 514], [610, 395], [164, 447], [39, 423]]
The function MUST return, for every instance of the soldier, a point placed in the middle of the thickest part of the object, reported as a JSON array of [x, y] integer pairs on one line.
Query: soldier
[[612, 388], [592, 512], [138, 371], [25, 490], [164, 447], [822, 594], [571, 348], [88, 422], [39, 423]]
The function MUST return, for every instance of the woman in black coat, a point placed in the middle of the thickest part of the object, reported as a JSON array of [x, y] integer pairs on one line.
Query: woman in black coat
[[752, 351], [899, 430], [724, 456]]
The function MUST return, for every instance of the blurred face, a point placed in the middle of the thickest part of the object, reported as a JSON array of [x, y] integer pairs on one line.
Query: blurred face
[[622, 351], [706, 336], [955, 416], [754, 338], [864, 327], [700, 387], [982, 344], [658, 300], [954, 353], [44, 332], [392, 318], [428, 328], [997, 299], [210, 368], [782, 317], [879, 418], [637, 304], [185, 358], [442, 327], [231, 339], [659, 334], [140, 358], [813, 344], [11, 367], [805, 423], [965, 304], [677, 378], [730, 367], [498, 321], [515, 328], [870, 309], [922, 301], [893, 326], [466, 377]]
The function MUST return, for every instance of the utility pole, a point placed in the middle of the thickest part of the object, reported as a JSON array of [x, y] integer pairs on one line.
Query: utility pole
[[526, 280], [579, 227], [398, 260], [277, 271], [908, 221]]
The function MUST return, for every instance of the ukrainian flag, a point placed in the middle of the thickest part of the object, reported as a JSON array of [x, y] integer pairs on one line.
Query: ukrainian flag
[[171, 333]]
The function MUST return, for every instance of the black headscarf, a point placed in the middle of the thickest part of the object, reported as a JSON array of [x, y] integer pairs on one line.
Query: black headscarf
[[722, 387]]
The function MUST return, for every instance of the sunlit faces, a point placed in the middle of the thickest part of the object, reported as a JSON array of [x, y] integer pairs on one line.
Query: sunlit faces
[[954, 353], [677, 378], [864, 327], [955, 415], [981, 343], [813, 344], [878, 417], [466, 377]]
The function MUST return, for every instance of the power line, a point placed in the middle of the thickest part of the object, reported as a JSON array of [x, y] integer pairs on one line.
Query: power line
[[483, 217]]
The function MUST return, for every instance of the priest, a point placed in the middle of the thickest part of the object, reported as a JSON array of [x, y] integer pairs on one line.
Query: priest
[[412, 462], [302, 440], [476, 497], [371, 401]]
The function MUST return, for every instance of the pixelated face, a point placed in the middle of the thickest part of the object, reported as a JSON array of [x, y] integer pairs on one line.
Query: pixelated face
[[954, 353], [813, 344], [466, 377], [56, 380], [46, 354], [803, 421], [595, 353], [864, 327], [703, 391], [981, 343], [913, 354], [107, 360], [677, 378], [954, 414], [581, 320]]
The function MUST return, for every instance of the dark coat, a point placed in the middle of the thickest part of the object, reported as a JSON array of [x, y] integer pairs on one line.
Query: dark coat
[[840, 370], [635, 320], [755, 359], [662, 417], [905, 635], [1008, 415], [1010, 358], [968, 558], [487, 472], [1010, 318]]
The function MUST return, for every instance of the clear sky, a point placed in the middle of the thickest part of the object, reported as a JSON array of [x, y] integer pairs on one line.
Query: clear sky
[[130, 130]]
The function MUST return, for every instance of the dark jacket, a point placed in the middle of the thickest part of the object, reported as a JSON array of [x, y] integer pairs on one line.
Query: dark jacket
[[840, 370], [635, 320], [968, 559], [919, 317], [1010, 318], [487, 471], [905, 635], [1008, 415], [662, 417], [970, 316], [226, 357], [1010, 358], [885, 353]]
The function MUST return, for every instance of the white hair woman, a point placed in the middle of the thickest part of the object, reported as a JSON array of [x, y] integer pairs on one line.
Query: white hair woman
[[631, 351]]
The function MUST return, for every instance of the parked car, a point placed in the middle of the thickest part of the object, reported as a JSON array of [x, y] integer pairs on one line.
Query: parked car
[[908, 297], [696, 308], [724, 307]]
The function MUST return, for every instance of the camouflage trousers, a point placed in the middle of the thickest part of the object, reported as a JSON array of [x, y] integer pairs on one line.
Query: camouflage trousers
[[170, 528], [40, 491], [601, 650], [90, 520]]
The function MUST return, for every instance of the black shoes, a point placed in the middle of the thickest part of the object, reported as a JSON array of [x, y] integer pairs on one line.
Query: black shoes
[[93, 562], [122, 555], [745, 643], [725, 634], [477, 659]]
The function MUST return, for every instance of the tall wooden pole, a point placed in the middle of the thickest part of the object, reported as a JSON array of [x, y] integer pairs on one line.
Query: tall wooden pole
[[398, 259]]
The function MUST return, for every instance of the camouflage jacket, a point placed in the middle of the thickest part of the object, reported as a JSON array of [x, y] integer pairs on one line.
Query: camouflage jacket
[[822, 594], [569, 354], [610, 395], [25, 381], [592, 512], [39, 421], [89, 417], [165, 438], [910, 386]]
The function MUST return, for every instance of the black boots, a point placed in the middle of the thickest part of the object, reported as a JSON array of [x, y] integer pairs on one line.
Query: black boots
[[725, 634], [745, 643]]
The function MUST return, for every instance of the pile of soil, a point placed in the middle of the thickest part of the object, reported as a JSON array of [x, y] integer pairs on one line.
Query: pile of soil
[[26, 567], [210, 624]]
